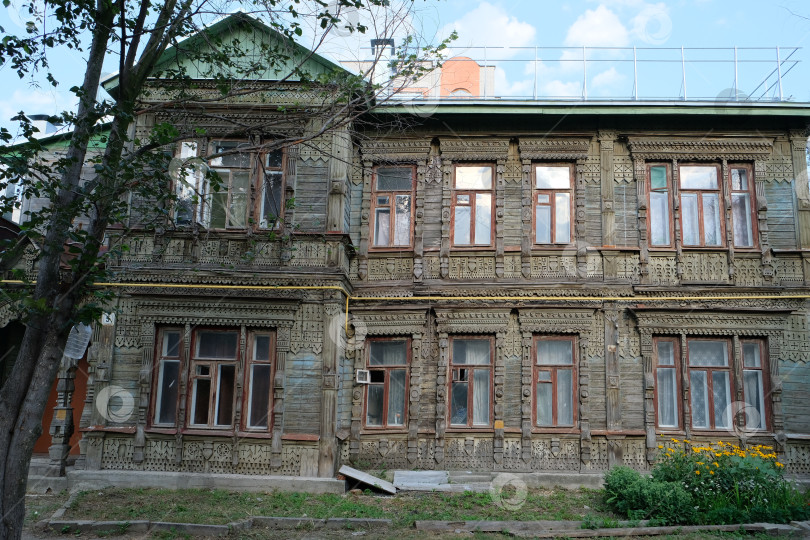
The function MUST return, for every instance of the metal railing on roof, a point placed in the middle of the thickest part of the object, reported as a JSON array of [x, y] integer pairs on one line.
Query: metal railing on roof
[[728, 74]]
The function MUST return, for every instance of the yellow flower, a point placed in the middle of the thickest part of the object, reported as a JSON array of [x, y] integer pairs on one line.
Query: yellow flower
[[711, 472], [779, 464], [699, 462], [660, 446], [675, 440], [716, 464], [697, 472]]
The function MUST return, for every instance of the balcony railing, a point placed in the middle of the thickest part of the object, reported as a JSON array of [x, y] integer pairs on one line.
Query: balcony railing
[[719, 74]]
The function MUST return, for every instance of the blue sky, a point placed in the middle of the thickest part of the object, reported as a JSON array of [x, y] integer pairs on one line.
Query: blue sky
[[552, 23]]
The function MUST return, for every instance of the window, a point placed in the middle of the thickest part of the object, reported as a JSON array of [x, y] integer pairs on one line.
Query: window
[[710, 366], [667, 361], [259, 384], [392, 198], [552, 204], [756, 412], [168, 376], [213, 378], [227, 207], [555, 379], [659, 207], [743, 218], [470, 382], [272, 201], [472, 205], [701, 223], [387, 389], [186, 183], [214, 366]]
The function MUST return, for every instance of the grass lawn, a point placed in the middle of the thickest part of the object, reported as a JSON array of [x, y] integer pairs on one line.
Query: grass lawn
[[39, 507], [220, 507]]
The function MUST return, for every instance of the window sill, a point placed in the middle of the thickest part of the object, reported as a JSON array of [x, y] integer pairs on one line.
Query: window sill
[[254, 434], [536, 430], [405, 250], [383, 431], [209, 432], [477, 429], [487, 247], [162, 430]]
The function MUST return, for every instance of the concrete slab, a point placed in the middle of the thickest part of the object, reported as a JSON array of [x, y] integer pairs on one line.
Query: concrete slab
[[368, 479], [405, 479], [84, 480]]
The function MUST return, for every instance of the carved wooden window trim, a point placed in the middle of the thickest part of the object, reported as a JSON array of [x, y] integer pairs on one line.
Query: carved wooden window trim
[[391, 204], [753, 230], [471, 198], [546, 197], [660, 367], [552, 380], [385, 370], [457, 372]]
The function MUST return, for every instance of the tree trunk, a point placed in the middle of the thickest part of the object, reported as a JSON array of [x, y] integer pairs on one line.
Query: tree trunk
[[24, 395]]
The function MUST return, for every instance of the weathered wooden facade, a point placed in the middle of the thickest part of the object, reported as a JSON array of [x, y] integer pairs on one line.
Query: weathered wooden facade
[[530, 287]]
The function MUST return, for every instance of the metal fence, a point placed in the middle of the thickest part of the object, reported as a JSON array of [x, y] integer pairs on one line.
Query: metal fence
[[729, 74]]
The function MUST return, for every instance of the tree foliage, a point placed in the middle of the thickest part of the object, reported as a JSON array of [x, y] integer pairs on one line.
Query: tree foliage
[[164, 48]]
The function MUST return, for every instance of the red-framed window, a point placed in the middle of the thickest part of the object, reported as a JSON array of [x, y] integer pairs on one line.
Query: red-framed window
[[555, 381], [214, 364], [392, 197], [386, 403], [471, 361], [553, 203], [472, 203]]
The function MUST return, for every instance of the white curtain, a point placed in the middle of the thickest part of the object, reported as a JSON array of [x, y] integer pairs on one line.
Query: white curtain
[[402, 221], [396, 397], [461, 225], [483, 223], [481, 397]]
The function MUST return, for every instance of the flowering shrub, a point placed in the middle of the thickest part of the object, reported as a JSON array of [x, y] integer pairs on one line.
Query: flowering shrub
[[724, 483]]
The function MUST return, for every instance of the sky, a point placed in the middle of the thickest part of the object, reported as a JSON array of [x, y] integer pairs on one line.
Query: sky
[[511, 34]]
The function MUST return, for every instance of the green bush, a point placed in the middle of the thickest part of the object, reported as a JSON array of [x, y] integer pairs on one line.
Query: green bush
[[720, 484], [638, 497]]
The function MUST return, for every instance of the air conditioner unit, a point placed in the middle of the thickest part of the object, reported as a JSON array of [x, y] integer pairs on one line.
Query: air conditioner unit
[[363, 376]]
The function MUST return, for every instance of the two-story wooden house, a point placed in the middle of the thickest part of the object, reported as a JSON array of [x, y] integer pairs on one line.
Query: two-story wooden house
[[531, 286]]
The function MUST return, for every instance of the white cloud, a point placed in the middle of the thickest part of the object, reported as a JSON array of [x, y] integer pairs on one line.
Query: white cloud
[[556, 89], [503, 87], [489, 26], [607, 79], [598, 27]]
